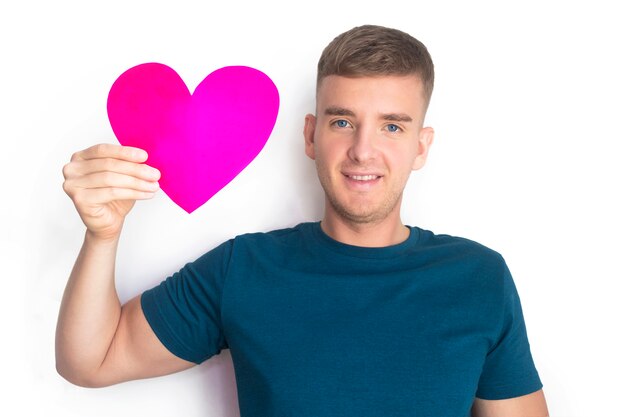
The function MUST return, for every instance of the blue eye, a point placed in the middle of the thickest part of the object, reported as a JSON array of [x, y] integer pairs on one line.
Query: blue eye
[[392, 128], [342, 123]]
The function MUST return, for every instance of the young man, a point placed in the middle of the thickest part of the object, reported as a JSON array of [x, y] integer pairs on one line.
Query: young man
[[356, 315]]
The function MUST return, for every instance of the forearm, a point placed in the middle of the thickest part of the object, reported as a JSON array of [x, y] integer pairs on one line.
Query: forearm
[[89, 313]]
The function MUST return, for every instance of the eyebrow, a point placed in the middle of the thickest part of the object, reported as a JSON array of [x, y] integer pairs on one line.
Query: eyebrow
[[397, 117], [392, 117], [338, 111]]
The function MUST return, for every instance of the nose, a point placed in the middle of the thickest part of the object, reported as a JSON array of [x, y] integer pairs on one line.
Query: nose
[[363, 147]]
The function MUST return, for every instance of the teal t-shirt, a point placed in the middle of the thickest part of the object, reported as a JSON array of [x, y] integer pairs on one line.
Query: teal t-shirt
[[320, 328]]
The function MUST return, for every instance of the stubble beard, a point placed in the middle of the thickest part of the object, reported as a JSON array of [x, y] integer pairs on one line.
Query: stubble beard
[[364, 213]]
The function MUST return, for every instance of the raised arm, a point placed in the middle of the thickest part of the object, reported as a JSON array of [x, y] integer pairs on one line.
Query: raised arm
[[98, 341]]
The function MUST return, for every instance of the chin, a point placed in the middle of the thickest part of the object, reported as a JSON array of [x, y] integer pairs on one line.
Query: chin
[[360, 209], [362, 215]]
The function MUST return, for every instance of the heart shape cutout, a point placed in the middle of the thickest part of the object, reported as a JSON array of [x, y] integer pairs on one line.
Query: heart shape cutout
[[198, 141]]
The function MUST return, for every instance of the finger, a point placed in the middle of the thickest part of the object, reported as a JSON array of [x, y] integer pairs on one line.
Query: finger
[[111, 180], [107, 195], [108, 150], [91, 166]]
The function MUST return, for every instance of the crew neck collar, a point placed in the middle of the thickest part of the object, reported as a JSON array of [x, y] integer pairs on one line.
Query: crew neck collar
[[330, 244]]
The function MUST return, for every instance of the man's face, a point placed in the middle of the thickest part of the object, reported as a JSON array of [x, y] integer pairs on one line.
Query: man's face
[[366, 139]]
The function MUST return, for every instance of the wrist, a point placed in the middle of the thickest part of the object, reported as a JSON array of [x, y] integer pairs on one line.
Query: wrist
[[100, 239]]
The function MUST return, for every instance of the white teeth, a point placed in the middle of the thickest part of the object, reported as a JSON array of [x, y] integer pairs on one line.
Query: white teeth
[[363, 177]]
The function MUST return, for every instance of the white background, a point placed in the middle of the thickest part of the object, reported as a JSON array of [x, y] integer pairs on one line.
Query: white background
[[528, 110]]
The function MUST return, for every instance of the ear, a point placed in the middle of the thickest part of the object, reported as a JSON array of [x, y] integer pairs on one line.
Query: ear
[[309, 135], [425, 139]]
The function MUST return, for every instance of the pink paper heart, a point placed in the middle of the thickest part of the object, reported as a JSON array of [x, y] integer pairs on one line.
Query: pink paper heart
[[199, 142]]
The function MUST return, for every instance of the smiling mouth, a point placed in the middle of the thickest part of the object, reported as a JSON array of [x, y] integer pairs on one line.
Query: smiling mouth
[[363, 177]]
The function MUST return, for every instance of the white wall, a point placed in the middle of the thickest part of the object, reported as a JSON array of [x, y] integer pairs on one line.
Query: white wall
[[529, 113]]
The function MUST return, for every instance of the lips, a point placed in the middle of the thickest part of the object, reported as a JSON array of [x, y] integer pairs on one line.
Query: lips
[[361, 181], [362, 175], [369, 177]]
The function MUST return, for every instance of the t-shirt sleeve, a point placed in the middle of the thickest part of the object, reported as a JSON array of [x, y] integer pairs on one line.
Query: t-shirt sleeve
[[509, 370], [184, 311]]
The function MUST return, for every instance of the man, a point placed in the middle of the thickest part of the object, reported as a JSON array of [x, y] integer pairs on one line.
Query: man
[[356, 315]]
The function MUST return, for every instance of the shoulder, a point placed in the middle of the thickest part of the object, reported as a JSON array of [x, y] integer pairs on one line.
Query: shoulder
[[279, 240], [274, 236], [473, 262], [456, 245]]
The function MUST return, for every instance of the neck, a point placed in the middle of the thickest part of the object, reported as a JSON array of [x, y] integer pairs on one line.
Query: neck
[[390, 231]]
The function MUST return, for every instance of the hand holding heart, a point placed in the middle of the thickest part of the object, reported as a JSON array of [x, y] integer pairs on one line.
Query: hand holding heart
[[104, 181], [198, 142]]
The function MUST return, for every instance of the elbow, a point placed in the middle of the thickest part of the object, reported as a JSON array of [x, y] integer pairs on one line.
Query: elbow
[[71, 367], [79, 378]]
